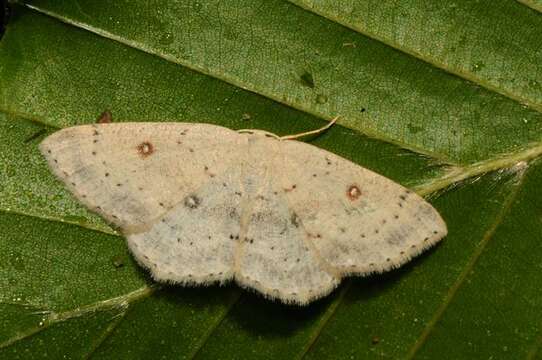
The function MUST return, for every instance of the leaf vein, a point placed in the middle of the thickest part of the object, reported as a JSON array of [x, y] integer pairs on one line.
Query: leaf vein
[[419, 56], [53, 318], [374, 134], [448, 298]]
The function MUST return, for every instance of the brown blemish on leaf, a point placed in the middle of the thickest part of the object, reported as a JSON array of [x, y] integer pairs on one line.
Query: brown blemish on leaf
[[353, 192], [105, 117], [307, 79], [145, 149]]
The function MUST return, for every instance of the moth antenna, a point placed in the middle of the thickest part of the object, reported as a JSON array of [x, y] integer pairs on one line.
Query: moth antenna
[[312, 132]]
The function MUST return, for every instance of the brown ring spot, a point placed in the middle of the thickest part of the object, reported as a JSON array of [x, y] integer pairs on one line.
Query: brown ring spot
[[145, 149], [353, 192]]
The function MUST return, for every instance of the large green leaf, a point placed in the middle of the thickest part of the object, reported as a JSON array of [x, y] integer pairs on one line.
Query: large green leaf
[[445, 99]]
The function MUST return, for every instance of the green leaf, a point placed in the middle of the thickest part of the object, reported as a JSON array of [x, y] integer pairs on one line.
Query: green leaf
[[443, 98]]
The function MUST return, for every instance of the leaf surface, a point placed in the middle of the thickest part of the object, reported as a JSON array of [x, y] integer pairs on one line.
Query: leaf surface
[[414, 107]]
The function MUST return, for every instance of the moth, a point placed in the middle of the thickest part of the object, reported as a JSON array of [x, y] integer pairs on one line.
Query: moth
[[201, 204]]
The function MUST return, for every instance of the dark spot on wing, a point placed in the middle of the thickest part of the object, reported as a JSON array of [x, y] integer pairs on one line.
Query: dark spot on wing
[[206, 169], [145, 149], [294, 219], [192, 202], [233, 213], [293, 187]]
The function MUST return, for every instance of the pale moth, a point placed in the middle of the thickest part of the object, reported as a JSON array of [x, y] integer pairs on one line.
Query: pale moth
[[202, 204]]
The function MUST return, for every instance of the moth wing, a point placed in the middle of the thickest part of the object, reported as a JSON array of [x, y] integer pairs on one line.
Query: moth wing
[[359, 222], [274, 256], [134, 173]]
